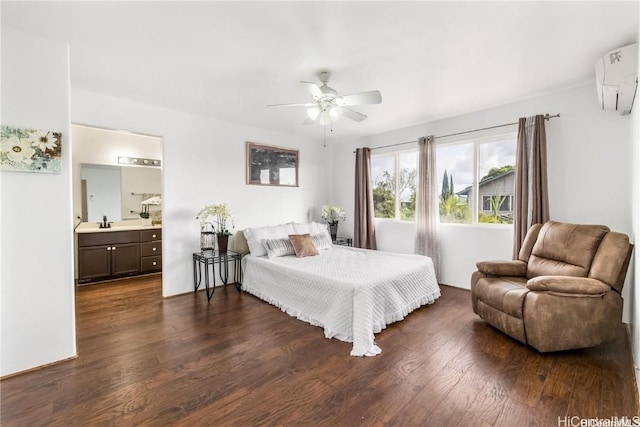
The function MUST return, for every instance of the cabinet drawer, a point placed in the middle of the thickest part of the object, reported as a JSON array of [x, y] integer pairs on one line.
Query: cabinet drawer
[[151, 248], [151, 263], [150, 235], [108, 238]]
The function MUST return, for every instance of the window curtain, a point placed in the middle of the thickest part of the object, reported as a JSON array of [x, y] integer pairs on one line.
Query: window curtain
[[427, 210], [364, 234], [531, 192]]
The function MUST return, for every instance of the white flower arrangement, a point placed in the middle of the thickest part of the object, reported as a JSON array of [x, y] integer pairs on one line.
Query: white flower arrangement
[[221, 213], [333, 214]]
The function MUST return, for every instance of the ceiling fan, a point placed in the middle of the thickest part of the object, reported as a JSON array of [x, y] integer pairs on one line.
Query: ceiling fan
[[328, 106]]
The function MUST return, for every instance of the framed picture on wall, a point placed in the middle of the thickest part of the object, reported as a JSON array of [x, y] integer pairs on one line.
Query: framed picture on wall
[[269, 165], [30, 150]]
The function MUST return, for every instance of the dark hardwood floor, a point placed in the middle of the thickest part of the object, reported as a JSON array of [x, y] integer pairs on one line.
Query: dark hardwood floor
[[238, 361]]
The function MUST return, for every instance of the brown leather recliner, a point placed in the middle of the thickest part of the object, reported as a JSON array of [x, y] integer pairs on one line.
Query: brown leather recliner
[[564, 290]]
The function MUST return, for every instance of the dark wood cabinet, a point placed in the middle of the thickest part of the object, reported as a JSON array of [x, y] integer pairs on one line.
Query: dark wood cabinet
[[125, 259], [94, 262], [113, 254], [150, 251]]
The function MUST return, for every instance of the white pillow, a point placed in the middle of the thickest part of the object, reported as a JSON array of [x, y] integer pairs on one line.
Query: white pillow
[[255, 236], [302, 228], [278, 247], [322, 241], [311, 228], [284, 247]]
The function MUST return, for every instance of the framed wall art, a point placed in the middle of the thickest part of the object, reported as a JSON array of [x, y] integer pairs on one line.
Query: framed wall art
[[269, 165], [30, 150]]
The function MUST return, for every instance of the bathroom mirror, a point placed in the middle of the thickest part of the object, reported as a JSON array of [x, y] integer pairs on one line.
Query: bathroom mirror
[[116, 191]]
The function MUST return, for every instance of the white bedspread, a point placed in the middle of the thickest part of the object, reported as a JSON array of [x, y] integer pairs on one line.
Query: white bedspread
[[351, 293]]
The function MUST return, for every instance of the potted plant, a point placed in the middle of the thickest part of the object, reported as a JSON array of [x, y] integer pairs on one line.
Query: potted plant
[[333, 215], [144, 214], [213, 222]]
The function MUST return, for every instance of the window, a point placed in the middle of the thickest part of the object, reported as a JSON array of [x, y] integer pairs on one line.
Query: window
[[496, 169], [455, 180], [477, 176], [394, 185], [475, 181]]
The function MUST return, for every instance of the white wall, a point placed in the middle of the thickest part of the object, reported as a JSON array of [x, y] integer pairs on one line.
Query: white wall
[[634, 269], [589, 176], [37, 287], [204, 163]]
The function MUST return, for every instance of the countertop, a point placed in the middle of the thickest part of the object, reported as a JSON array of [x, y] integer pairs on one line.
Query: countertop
[[131, 225]]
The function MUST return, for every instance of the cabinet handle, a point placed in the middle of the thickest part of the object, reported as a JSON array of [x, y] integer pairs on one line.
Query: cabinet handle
[[154, 236], [154, 249], [108, 248], [113, 248], [154, 263]]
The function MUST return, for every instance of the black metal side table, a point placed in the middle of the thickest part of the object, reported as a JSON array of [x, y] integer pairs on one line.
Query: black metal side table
[[343, 241], [222, 260]]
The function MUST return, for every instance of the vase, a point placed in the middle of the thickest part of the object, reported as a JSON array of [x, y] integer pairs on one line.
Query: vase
[[207, 240], [333, 230], [223, 242]]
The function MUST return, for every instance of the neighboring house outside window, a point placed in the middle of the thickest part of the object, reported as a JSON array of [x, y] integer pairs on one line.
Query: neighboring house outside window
[[502, 202], [496, 194]]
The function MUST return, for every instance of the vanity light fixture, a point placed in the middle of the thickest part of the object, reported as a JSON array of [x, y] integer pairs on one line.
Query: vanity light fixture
[[123, 160]]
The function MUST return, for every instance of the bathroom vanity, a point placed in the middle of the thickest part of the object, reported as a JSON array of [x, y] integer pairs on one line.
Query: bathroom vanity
[[124, 249]]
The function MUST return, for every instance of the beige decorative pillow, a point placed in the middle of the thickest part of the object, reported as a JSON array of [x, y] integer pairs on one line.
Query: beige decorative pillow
[[303, 245]]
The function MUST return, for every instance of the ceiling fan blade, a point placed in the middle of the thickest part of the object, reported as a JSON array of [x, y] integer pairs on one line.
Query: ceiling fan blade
[[352, 114], [308, 122], [313, 89], [292, 105], [362, 98]]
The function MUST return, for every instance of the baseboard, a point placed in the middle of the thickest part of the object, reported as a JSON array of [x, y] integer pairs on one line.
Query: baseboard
[[202, 288], [116, 279], [37, 368], [454, 286]]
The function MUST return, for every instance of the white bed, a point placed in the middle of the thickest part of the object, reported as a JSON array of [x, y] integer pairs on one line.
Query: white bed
[[351, 293]]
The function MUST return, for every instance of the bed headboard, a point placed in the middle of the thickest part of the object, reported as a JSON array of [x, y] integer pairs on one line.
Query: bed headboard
[[239, 243]]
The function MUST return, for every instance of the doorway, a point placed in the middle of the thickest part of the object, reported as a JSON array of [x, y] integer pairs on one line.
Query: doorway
[[111, 187]]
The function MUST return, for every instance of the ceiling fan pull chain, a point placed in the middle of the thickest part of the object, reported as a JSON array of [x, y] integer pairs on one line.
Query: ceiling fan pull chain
[[324, 136]]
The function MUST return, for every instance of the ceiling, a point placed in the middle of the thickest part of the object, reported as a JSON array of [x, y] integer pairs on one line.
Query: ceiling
[[430, 60]]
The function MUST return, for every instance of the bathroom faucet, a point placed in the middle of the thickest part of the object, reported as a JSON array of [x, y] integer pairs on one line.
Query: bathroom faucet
[[105, 224]]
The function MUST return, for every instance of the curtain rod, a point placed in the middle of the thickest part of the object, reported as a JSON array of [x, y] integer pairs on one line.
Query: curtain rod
[[546, 117]]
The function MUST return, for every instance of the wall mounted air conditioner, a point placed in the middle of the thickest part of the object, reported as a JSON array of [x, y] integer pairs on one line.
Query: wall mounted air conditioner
[[617, 79]]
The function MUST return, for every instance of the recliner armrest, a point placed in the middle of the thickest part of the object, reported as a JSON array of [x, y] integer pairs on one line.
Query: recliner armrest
[[503, 268], [568, 285]]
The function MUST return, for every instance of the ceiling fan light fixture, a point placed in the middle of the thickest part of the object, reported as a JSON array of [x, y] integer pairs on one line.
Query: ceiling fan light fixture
[[335, 112], [313, 112], [325, 118], [328, 106]]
